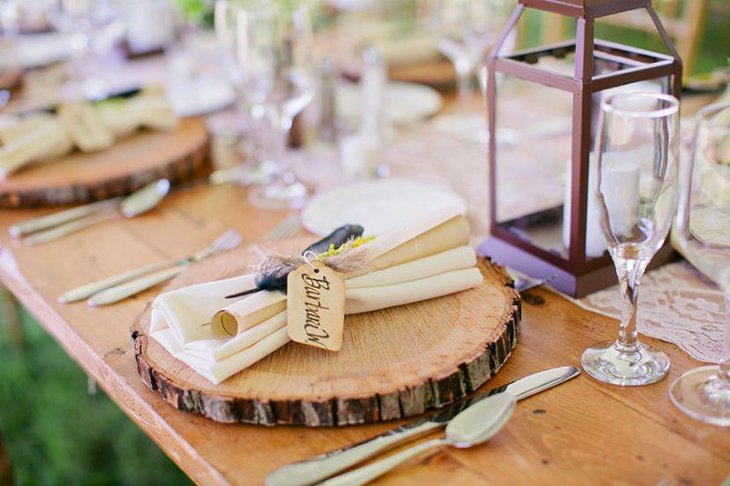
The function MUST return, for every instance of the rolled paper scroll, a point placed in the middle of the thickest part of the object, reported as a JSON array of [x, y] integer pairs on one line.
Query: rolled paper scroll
[[248, 312]]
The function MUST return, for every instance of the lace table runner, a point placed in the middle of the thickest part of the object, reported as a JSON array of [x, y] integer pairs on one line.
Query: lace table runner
[[677, 304]]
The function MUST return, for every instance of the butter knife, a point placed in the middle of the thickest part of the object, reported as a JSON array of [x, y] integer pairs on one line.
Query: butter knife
[[133, 287], [325, 465], [49, 221]]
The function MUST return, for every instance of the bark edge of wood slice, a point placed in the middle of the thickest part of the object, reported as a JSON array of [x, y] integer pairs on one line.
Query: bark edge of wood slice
[[424, 356], [179, 155]]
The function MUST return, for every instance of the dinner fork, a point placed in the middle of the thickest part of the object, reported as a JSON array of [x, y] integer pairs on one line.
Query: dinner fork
[[289, 227], [123, 285]]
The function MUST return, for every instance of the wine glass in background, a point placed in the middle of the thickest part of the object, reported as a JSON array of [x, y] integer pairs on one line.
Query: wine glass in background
[[274, 45], [93, 29], [10, 68], [224, 22], [703, 233], [238, 123], [466, 30], [637, 151]]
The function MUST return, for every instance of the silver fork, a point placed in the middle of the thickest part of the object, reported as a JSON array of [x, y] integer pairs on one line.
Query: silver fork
[[289, 227], [123, 285]]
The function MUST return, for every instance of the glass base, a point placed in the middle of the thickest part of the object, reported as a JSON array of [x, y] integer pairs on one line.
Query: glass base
[[613, 363], [280, 195], [699, 394]]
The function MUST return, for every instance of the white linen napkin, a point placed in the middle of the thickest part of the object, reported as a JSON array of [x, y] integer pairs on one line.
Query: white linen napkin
[[180, 318]]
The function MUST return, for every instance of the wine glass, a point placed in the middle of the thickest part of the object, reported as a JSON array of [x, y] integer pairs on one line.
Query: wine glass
[[703, 233], [274, 57], [90, 25], [10, 70], [466, 30], [637, 151], [239, 122]]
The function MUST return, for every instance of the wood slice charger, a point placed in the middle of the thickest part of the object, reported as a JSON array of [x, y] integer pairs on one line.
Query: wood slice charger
[[178, 155], [394, 363]]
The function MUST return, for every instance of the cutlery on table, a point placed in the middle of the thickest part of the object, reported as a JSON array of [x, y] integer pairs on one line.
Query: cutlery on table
[[289, 227], [326, 465], [524, 282], [473, 426], [120, 286], [57, 225], [58, 218]]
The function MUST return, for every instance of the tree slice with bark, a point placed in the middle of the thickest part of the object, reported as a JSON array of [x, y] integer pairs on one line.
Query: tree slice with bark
[[178, 155], [394, 363]]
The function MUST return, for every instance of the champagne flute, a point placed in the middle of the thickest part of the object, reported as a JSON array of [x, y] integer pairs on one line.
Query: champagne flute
[[637, 151], [274, 57], [466, 30], [703, 233]]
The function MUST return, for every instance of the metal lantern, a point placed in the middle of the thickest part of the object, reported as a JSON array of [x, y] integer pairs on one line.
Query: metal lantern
[[541, 221]]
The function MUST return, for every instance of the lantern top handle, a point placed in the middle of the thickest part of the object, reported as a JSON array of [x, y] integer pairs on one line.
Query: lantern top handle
[[586, 8]]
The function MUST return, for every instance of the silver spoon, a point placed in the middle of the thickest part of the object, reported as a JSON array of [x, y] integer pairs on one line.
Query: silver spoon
[[475, 425], [133, 205]]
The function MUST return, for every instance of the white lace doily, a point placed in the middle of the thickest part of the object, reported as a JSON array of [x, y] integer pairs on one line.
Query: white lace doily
[[677, 304]]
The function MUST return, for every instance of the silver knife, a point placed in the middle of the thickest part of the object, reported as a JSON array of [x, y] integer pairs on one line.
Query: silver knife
[[325, 465], [54, 219]]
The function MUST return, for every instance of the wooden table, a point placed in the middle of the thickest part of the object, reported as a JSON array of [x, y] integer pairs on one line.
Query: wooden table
[[583, 432]]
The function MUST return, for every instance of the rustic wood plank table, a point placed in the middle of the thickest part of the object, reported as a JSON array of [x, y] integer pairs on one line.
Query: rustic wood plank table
[[582, 432]]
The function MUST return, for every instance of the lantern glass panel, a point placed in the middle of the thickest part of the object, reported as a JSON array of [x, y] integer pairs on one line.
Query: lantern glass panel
[[533, 150], [534, 153]]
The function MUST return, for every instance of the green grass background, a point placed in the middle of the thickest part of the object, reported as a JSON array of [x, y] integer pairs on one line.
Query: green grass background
[[57, 433]]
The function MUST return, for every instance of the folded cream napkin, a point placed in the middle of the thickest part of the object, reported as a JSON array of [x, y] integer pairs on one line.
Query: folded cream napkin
[[199, 326]]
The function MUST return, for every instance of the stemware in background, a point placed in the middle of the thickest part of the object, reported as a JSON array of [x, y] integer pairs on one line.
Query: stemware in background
[[93, 28], [466, 30], [10, 69], [703, 233], [637, 151], [274, 46], [237, 126]]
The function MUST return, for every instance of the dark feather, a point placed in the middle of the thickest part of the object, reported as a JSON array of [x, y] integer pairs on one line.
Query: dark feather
[[274, 272], [338, 237]]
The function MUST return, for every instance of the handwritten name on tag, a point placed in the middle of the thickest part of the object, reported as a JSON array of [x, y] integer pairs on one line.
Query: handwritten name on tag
[[315, 306]]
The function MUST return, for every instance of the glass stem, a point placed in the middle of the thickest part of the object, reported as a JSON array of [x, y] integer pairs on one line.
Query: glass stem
[[723, 374], [627, 335], [631, 272], [464, 87], [283, 127]]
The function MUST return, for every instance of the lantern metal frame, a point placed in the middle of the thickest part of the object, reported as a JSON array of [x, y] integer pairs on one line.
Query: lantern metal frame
[[575, 275]]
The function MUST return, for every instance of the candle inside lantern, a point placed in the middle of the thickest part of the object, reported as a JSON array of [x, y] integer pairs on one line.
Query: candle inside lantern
[[620, 189]]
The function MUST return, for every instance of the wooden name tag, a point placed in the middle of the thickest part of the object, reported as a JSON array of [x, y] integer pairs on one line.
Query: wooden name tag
[[316, 306]]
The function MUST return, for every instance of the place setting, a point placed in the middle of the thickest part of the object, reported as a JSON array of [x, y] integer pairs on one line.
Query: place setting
[[309, 251]]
